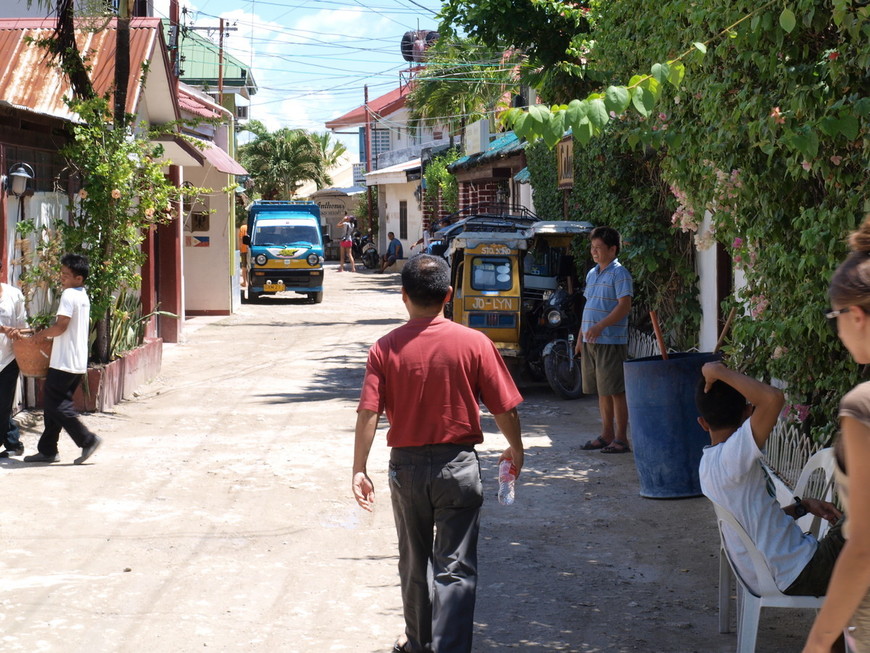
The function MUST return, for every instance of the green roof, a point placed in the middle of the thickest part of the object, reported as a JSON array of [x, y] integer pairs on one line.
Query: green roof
[[200, 67]]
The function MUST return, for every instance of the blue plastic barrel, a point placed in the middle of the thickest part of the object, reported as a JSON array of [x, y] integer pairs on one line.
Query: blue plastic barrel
[[666, 437]]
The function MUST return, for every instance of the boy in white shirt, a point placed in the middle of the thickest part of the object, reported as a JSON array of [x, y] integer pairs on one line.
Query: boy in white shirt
[[69, 360], [733, 477], [13, 316]]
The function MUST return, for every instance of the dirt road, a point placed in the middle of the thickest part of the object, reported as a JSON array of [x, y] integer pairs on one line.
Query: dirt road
[[218, 515]]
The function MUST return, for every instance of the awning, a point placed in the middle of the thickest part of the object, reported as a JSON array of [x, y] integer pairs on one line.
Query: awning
[[182, 152], [397, 174], [222, 161]]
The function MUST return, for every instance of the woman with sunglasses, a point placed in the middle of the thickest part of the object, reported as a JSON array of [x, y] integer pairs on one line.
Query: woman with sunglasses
[[848, 599]]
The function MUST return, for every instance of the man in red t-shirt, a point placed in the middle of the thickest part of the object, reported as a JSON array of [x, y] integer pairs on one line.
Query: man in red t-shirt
[[428, 377]]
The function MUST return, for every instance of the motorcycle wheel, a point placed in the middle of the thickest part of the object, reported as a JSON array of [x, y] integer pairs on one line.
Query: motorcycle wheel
[[563, 373], [370, 259]]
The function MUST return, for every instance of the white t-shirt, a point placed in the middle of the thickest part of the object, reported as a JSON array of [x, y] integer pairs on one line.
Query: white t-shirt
[[69, 353], [12, 314], [731, 475]]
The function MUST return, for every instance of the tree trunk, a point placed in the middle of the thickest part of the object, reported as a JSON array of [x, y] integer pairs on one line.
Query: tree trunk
[[122, 63], [64, 47]]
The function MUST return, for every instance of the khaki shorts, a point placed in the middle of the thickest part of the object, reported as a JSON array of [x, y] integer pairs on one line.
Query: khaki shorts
[[601, 366]]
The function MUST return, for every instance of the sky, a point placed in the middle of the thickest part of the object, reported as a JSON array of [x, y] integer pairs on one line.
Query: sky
[[312, 58]]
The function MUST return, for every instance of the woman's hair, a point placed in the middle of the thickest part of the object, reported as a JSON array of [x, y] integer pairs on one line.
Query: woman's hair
[[850, 284]]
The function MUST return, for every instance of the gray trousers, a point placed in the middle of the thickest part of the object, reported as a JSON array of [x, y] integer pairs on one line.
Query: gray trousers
[[437, 493]]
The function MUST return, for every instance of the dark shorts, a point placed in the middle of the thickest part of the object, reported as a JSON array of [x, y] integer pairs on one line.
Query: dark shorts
[[601, 366], [813, 580]]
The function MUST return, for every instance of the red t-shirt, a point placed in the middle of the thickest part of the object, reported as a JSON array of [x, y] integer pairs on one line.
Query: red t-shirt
[[428, 376]]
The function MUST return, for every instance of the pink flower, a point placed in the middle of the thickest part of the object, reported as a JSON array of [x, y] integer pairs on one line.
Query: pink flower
[[83, 194], [663, 116], [776, 114], [738, 242], [833, 56], [116, 194], [738, 259], [836, 160], [806, 165]]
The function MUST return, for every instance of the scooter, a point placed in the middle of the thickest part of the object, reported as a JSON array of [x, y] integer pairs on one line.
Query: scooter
[[550, 341], [364, 250]]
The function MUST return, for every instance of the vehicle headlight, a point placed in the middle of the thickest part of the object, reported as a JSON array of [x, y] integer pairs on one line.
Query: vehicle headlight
[[313, 259], [554, 318], [260, 259]]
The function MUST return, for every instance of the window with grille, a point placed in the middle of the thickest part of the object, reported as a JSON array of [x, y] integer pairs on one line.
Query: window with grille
[[403, 220]]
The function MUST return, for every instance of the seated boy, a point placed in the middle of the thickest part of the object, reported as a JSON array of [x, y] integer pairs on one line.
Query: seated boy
[[732, 476]]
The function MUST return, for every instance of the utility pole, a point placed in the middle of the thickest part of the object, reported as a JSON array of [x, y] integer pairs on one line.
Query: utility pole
[[368, 154], [222, 29]]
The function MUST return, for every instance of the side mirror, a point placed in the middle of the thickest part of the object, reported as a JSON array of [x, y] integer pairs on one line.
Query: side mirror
[[246, 239], [324, 232]]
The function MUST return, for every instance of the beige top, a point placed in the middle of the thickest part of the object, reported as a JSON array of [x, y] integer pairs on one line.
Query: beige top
[[855, 404]]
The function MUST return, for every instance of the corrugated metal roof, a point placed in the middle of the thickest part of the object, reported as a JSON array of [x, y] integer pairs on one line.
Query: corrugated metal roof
[[30, 80], [189, 102], [502, 147], [381, 106]]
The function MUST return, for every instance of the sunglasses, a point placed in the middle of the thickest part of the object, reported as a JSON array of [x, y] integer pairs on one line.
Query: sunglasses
[[831, 316]]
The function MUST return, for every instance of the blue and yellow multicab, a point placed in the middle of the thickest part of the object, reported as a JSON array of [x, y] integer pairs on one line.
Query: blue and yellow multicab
[[286, 248]]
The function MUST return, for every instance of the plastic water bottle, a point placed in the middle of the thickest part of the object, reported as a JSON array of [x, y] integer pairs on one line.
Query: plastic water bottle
[[507, 479]]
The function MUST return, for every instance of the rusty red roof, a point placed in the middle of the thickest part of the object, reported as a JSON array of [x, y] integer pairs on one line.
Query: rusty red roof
[[30, 80], [382, 106]]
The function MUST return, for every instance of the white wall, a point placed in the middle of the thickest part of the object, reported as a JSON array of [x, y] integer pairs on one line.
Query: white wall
[[389, 196], [209, 273]]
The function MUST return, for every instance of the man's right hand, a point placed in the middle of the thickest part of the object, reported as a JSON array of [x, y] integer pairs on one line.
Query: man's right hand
[[516, 456]]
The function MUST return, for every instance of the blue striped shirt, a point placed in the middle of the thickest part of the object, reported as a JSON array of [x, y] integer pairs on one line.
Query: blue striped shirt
[[604, 289]]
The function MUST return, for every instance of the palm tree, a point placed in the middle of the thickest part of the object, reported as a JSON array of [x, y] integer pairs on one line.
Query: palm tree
[[331, 150], [280, 161], [462, 82]]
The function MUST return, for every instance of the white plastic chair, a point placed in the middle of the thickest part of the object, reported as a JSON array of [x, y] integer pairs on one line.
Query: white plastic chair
[[816, 481], [750, 600]]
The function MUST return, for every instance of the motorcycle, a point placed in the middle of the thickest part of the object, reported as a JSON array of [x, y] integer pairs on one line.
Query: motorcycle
[[549, 339], [364, 250]]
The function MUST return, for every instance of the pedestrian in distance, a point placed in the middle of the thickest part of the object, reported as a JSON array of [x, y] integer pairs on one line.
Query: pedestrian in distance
[[243, 253], [434, 471], [848, 598], [739, 413], [13, 317], [345, 251], [603, 345], [394, 252], [69, 360]]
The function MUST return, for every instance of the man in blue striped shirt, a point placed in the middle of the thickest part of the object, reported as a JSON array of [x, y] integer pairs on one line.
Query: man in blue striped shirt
[[604, 343]]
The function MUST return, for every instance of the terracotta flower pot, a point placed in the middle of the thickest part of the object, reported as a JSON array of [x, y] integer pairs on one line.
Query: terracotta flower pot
[[32, 357]]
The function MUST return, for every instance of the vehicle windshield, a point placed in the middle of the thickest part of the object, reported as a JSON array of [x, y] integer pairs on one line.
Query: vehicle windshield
[[491, 273], [267, 234]]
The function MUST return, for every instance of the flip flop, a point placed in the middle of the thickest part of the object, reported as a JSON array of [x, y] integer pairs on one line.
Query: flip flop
[[592, 445], [617, 446]]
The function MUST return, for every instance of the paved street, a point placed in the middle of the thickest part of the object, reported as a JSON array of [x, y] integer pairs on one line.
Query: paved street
[[218, 515]]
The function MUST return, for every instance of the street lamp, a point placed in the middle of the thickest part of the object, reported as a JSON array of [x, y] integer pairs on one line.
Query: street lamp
[[18, 178]]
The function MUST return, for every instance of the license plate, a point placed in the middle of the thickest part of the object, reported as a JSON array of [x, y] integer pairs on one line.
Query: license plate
[[273, 287]]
